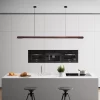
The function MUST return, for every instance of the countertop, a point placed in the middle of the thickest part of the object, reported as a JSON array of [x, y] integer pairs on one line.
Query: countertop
[[48, 76]]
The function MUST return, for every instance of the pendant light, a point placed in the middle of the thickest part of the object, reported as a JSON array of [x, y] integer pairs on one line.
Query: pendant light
[[50, 37]]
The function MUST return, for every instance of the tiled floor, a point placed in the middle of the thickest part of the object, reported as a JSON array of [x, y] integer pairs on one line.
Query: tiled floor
[[1, 93]]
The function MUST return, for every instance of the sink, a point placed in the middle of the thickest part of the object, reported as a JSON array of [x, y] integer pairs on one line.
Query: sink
[[47, 75], [77, 74]]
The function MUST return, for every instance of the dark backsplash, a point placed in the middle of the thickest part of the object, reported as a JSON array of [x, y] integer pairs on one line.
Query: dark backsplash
[[52, 56]]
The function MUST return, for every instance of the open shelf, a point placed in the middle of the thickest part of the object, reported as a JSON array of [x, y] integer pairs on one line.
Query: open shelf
[[55, 37]]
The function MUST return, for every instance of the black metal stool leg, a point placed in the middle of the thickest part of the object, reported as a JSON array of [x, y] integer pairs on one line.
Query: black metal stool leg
[[65, 92], [27, 96], [69, 97], [33, 96], [62, 97]]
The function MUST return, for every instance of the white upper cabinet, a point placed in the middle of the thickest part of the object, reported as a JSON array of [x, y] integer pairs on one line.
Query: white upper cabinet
[[54, 25], [86, 23], [5, 23], [23, 23], [20, 49], [72, 23], [97, 23], [39, 25], [72, 27]]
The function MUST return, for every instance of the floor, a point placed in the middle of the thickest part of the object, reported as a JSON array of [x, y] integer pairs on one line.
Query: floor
[[1, 94]]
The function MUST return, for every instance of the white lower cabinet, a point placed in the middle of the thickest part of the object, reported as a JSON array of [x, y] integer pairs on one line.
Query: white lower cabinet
[[5, 54]]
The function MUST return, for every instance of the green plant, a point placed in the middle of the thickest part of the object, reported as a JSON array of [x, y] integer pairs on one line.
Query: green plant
[[61, 69]]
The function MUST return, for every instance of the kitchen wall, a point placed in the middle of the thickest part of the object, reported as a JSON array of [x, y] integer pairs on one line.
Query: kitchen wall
[[14, 52]]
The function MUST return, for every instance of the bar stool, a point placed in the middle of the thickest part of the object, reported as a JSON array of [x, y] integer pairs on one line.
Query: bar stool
[[65, 94], [31, 94]]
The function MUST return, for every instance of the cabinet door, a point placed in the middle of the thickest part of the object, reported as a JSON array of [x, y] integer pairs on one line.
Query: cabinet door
[[97, 55], [86, 23], [62, 44], [97, 23], [20, 49], [54, 25], [87, 52], [39, 25], [5, 54], [17, 53], [23, 23], [72, 25], [5, 23]]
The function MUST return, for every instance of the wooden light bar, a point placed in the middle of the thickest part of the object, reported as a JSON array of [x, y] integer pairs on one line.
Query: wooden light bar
[[50, 37]]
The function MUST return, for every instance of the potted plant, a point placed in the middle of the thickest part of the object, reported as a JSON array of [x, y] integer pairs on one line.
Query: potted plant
[[61, 70]]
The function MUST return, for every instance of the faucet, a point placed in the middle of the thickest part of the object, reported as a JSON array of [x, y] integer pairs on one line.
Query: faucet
[[41, 70]]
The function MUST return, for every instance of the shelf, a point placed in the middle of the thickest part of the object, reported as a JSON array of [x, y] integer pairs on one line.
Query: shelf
[[51, 37]]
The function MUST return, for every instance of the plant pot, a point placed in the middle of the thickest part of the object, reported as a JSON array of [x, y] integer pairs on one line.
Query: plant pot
[[61, 74]]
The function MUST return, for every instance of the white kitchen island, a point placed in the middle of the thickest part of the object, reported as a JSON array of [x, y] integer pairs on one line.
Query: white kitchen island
[[84, 87]]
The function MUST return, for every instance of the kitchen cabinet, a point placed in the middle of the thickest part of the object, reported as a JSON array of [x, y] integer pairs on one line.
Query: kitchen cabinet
[[39, 25], [20, 53], [97, 23], [72, 25], [23, 23], [47, 87], [5, 54], [5, 23], [86, 23], [87, 52], [17, 53], [54, 25], [97, 47], [51, 68], [62, 44], [97, 55]]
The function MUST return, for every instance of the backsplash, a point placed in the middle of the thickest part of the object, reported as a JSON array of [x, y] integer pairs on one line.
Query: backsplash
[[52, 56]]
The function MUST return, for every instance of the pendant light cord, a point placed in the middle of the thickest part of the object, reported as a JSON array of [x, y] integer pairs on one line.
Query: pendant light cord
[[65, 19], [34, 19]]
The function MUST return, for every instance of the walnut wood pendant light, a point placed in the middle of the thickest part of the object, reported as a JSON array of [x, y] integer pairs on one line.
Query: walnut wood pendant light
[[50, 37]]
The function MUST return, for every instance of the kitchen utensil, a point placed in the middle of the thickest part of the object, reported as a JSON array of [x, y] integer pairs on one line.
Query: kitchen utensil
[[82, 71]]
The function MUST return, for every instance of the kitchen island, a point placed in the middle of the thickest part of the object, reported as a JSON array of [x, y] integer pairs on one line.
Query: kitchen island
[[84, 87]]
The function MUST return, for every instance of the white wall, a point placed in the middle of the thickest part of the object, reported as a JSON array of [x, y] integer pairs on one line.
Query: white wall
[[16, 56]]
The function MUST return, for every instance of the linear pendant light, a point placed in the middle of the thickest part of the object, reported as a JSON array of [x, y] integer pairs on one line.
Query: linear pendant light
[[50, 37]]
